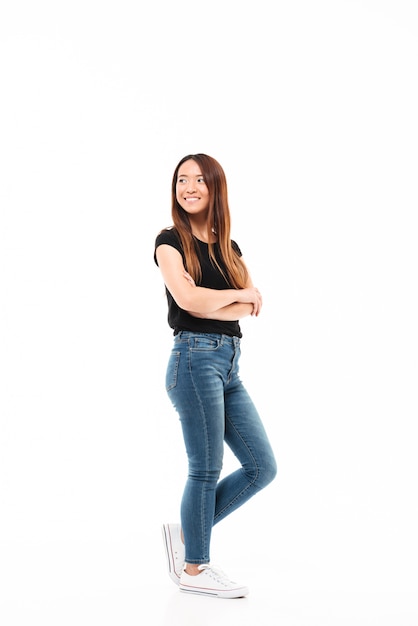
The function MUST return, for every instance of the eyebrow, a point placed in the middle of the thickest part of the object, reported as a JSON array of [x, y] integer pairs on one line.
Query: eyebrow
[[185, 175]]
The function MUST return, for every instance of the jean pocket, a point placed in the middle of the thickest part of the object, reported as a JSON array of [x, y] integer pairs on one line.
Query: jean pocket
[[172, 370], [203, 343]]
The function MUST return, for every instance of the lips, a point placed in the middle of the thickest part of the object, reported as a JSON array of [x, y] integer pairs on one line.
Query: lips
[[192, 199]]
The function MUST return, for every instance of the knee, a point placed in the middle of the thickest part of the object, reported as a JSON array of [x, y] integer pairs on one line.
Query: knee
[[210, 476], [261, 474], [267, 472]]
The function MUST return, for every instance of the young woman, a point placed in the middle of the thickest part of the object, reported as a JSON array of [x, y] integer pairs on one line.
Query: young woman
[[209, 290]]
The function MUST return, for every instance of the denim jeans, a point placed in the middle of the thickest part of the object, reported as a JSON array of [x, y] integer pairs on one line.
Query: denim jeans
[[203, 384]]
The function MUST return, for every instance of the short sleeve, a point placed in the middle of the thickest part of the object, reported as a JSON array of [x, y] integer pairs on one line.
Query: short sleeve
[[169, 237]]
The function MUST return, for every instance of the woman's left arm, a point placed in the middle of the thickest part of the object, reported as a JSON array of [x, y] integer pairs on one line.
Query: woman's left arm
[[229, 313]]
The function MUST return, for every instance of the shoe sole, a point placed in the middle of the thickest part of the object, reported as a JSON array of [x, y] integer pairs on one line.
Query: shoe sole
[[169, 552], [227, 595]]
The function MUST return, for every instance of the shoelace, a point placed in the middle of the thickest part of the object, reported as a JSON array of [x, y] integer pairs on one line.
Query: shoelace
[[217, 574]]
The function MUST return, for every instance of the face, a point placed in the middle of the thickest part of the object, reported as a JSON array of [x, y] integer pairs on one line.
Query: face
[[191, 191]]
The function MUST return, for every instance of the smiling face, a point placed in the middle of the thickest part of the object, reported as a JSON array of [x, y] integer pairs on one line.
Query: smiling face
[[191, 191]]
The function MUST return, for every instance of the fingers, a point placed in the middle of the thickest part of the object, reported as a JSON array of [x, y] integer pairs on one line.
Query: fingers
[[189, 278], [258, 302], [252, 296]]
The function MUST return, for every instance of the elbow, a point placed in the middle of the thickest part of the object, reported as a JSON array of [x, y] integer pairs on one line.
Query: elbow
[[188, 303]]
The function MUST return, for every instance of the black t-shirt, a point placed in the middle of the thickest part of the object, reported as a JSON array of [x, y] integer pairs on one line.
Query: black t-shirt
[[212, 278]]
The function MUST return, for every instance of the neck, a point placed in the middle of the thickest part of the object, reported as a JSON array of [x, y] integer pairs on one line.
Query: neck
[[203, 236], [200, 230]]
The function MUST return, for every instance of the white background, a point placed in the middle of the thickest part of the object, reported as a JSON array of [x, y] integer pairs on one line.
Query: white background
[[310, 106]]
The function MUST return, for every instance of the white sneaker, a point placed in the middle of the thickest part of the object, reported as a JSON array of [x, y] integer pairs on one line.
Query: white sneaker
[[174, 549], [211, 582]]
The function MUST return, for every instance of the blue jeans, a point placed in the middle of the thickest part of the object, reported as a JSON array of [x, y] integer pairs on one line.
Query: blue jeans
[[203, 384]]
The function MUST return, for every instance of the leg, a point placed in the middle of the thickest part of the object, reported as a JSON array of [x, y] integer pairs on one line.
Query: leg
[[195, 386], [247, 438]]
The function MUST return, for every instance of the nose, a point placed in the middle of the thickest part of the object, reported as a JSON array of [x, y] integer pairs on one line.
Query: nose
[[191, 187]]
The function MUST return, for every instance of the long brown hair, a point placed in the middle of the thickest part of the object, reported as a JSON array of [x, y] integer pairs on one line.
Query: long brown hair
[[219, 222]]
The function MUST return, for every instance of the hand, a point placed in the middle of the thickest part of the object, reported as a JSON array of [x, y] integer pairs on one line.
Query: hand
[[253, 296], [258, 304]]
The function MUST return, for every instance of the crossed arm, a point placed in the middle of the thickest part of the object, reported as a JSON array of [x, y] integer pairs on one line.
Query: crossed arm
[[219, 304]]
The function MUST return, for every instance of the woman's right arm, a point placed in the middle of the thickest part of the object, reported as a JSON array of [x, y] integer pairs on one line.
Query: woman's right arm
[[191, 298]]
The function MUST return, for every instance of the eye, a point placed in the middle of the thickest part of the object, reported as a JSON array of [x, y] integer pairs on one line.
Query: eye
[[201, 179], [182, 180]]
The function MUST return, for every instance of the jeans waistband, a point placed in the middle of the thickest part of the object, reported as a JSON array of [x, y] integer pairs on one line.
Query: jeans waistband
[[223, 339]]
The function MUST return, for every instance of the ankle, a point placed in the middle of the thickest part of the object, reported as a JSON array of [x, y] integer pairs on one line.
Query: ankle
[[192, 569]]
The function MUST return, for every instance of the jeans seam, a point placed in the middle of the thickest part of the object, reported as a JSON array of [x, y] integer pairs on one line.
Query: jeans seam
[[250, 484], [207, 448]]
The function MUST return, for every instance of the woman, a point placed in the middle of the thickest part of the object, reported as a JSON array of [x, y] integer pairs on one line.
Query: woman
[[209, 290]]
